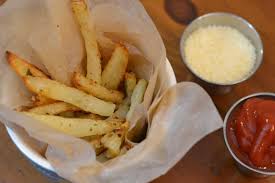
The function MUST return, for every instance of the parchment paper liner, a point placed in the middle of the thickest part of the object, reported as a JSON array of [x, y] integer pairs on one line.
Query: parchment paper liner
[[45, 33]]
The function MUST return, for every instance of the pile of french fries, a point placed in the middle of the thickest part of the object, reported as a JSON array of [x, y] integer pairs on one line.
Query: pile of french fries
[[96, 108]]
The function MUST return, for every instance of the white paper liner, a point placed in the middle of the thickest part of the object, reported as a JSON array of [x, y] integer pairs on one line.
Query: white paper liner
[[46, 34]]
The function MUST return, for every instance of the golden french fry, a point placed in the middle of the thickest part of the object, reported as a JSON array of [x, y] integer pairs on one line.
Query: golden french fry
[[130, 83], [55, 90], [41, 100], [23, 108], [122, 110], [106, 47], [22, 67], [112, 142], [125, 126], [82, 15], [115, 69], [91, 116], [54, 108], [137, 97], [98, 146], [116, 123], [90, 138], [95, 89], [75, 126]]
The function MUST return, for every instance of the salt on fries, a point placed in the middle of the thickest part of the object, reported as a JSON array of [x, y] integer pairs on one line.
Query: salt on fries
[[96, 89], [115, 69], [57, 91], [23, 69], [130, 83], [75, 126], [54, 108], [114, 140], [88, 108]]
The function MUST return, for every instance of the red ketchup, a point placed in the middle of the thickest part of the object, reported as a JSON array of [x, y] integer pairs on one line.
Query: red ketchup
[[251, 133]]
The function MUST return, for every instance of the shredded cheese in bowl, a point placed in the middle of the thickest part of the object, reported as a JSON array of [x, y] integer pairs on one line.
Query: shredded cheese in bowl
[[219, 54]]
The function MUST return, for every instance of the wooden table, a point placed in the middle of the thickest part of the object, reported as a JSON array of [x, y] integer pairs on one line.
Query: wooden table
[[207, 161]]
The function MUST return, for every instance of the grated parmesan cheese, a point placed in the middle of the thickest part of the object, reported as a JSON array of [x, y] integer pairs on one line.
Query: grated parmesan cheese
[[219, 54]]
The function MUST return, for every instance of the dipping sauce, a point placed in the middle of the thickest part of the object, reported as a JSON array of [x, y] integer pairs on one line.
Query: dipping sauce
[[251, 133], [219, 54]]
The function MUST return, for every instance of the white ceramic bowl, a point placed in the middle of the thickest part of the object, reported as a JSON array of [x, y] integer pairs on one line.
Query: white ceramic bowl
[[39, 161]]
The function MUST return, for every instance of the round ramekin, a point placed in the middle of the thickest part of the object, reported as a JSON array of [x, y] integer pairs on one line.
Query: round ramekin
[[224, 19], [246, 169]]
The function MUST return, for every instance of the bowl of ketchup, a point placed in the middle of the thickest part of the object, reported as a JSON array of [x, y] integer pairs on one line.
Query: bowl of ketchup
[[249, 133]]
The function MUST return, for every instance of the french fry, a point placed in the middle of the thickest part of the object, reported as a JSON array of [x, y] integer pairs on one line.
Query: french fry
[[112, 142], [125, 126], [82, 15], [41, 100], [54, 108], [23, 69], [130, 83], [91, 116], [23, 108], [98, 146], [57, 91], [115, 69], [90, 138], [122, 110], [75, 126], [137, 97], [95, 89], [126, 146], [116, 123]]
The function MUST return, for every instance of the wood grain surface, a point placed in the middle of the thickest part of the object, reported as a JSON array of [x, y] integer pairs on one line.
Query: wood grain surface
[[208, 160]]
